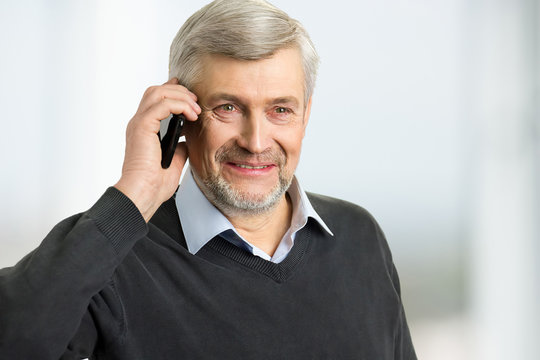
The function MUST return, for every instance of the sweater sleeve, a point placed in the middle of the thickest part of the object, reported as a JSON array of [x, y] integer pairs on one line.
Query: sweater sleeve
[[45, 297], [403, 345]]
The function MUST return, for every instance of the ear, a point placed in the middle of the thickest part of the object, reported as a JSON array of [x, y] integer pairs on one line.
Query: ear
[[307, 112]]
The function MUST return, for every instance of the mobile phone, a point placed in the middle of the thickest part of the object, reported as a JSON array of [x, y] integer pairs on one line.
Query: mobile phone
[[170, 139]]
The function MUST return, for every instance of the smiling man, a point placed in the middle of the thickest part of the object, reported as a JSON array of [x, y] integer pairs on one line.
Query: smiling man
[[236, 262]]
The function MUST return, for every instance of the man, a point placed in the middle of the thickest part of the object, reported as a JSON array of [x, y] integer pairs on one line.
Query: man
[[239, 262]]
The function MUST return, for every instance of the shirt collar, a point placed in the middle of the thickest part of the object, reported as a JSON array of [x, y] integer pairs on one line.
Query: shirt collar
[[201, 221], [302, 208]]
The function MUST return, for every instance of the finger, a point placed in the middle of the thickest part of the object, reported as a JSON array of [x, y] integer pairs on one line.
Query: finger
[[172, 84], [155, 94], [147, 103], [180, 89], [172, 80], [159, 111]]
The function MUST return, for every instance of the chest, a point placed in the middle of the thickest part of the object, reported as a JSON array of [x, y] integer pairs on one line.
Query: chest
[[200, 309]]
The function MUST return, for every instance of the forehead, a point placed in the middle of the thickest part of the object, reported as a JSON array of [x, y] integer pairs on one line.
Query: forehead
[[278, 76]]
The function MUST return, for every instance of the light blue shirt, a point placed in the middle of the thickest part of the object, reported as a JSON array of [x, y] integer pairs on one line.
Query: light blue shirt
[[201, 221]]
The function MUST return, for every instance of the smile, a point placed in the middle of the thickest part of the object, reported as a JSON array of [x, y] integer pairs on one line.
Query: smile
[[251, 167]]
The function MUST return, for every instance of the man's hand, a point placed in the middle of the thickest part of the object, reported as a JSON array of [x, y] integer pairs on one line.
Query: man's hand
[[143, 180]]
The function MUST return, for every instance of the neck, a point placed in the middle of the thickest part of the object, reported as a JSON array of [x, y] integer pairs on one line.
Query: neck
[[265, 230]]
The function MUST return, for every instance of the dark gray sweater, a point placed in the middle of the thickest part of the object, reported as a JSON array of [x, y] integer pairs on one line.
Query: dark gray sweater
[[105, 285]]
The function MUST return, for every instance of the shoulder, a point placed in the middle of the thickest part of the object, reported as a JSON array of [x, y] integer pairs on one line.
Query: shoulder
[[353, 226], [339, 212]]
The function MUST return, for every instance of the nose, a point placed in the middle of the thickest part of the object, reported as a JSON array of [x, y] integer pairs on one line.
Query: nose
[[255, 134]]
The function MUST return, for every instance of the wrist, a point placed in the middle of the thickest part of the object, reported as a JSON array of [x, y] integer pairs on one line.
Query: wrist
[[142, 195]]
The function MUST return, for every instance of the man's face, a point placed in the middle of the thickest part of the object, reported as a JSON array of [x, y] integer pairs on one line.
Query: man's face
[[246, 145]]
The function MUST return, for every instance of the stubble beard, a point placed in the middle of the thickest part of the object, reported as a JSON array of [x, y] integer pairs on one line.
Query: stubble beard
[[234, 202]]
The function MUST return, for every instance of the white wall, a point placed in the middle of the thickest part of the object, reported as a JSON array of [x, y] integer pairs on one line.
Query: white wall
[[503, 72], [425, 112]]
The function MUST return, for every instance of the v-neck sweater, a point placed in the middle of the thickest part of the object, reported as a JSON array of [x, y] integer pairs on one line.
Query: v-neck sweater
[[105, 285]]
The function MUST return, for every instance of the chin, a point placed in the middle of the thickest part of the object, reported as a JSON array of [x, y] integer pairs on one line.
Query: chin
[[232, 201]]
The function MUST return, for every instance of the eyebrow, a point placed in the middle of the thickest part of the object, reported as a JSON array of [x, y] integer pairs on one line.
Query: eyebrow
[[233, 98], [286, 100], [224, 96]]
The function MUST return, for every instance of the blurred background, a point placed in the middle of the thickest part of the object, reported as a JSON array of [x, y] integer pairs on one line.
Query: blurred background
[[426, 112]]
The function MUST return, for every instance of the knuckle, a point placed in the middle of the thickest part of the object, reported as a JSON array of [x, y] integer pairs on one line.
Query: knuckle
[[148, 91], [152, 91]]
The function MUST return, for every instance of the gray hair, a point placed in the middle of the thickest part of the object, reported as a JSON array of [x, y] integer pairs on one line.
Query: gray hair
[[241, 29]]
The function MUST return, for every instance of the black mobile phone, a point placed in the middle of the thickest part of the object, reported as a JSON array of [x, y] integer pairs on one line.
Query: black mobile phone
[[170, 139]]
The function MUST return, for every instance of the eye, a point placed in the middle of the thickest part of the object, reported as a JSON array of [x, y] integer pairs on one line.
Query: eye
[[227, 111], [282, 110], [227, 107]]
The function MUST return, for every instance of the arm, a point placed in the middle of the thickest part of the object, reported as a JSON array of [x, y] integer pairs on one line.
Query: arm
[[403, 345], [44, 298]]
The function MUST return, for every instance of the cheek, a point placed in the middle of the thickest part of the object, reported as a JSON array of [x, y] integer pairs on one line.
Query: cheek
[[198, 148], [193, 142], [291, 143], [204, 141]]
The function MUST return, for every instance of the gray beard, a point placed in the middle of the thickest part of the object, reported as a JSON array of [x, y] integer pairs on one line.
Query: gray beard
[[232, 202]]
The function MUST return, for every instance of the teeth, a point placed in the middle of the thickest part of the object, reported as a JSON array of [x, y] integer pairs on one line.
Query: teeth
[[251, 167]]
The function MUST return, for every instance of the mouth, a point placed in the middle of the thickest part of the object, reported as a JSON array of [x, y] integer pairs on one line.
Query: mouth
[[254, 167], [240, 164], [251, 168]]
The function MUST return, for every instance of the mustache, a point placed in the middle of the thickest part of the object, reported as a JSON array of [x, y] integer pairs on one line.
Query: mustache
[[234, 153]]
